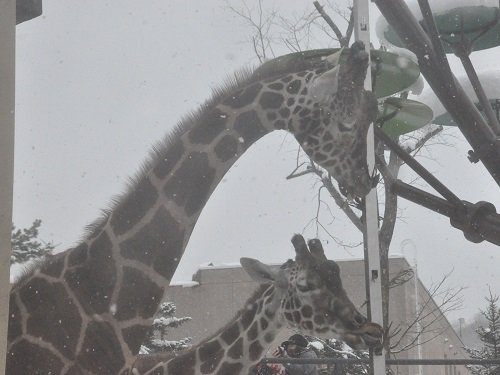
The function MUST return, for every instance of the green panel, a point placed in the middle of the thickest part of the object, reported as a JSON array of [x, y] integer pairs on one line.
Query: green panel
[[403, 116], [475, 23], [390, 73]]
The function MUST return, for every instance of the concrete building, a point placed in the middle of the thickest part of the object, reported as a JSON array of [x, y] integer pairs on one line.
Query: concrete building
[[217, 293]]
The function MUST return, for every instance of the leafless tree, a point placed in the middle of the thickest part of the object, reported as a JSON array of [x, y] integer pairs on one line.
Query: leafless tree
[[429, 321]]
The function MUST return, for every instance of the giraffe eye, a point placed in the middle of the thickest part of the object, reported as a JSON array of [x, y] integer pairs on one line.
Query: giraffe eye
[[305, 287]]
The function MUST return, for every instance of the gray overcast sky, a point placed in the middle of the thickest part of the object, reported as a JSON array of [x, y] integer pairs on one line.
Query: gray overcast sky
[[99, 82]]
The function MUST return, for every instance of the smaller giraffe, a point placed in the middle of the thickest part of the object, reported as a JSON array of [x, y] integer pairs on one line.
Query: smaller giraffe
[[305, 294]]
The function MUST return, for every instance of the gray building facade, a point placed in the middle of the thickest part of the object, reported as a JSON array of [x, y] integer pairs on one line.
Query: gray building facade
[[218, 293]]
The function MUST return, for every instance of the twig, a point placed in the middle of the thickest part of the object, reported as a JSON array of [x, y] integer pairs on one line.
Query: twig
[[296, 174], [330, 23]]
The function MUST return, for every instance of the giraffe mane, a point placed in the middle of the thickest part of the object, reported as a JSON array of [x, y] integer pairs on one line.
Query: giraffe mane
[[286, 64], [239, 79], [29, 267]]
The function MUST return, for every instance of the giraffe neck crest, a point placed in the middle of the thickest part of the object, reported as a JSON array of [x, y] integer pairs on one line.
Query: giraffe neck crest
[[87, 310]]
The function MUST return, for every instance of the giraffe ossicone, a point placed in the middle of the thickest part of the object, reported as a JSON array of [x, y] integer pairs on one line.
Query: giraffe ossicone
[[304, 294], [87, 310]]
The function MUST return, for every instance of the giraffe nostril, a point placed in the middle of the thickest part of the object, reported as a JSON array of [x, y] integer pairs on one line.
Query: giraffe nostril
[[359, 319]]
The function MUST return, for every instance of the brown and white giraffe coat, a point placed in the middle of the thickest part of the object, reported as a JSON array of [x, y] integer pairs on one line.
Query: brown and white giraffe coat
[[305, 294], [87, 310]]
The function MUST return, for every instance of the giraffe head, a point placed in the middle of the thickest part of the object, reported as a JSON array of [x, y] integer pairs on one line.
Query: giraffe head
[[312, 299], [333, 115]]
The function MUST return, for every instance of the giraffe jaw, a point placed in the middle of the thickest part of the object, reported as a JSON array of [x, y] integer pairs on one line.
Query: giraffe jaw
[[370, 335]]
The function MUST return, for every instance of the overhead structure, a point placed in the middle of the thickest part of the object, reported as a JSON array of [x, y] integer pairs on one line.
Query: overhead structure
[[491, 84], [459, 22], [479, 221], [462, 27]]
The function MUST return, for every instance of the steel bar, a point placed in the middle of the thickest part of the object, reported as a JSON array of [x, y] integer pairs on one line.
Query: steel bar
[[471, 123], [484, 227], [373, 279], [478, 89], [418, 168], [430, 362], [433, 33]]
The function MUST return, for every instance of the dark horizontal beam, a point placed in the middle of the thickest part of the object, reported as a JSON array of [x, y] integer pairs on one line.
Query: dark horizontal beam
[[417, 167], [478, 221], [434, 362], [435, 68]]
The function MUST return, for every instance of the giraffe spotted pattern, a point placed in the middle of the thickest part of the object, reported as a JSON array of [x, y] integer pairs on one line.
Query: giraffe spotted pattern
[[305, 294], [87, 310]]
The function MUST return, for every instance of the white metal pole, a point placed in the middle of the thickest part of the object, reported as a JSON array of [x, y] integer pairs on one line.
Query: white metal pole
[[7, 102], [371, 240]]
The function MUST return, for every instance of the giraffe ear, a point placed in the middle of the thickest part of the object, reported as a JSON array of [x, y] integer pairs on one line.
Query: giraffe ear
[[326, 84], [334, 58], [258, 271]]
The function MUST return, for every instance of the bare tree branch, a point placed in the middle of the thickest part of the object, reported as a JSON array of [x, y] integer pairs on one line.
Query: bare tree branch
[[261, 25], [329, 21], [426, 318]]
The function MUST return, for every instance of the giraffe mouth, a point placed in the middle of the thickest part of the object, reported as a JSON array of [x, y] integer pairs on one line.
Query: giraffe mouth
[[369, 335]]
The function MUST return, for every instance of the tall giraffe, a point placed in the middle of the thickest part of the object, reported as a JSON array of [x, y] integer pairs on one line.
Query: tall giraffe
[[87, 310], [305, 294]]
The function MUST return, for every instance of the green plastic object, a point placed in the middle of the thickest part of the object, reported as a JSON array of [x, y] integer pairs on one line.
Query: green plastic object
[[391, 73], [446, 120], [400, 116], [479, 26]]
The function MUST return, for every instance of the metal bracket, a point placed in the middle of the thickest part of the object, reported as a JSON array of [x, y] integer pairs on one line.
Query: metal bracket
[[469, 223], [476, 155]]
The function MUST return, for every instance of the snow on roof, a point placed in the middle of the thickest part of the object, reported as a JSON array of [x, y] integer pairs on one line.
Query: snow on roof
[[185, 284], [212, 266]]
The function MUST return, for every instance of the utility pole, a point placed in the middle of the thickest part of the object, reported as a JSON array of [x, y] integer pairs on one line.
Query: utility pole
[[370, 234]]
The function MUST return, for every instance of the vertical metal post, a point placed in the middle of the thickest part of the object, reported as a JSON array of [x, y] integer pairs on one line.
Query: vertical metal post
[[7, 101], [371, 240]]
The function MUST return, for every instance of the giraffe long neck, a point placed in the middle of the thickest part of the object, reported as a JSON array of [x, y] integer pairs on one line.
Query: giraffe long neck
[[89, 309], [236, 348]]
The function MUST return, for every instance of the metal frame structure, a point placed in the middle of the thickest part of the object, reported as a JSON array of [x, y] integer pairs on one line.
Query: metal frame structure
[[402, 362], [434, 66], [341, 362], [479, 221]]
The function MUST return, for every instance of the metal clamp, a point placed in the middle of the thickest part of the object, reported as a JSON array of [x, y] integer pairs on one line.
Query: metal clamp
[[482, 151], [469, 223]]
